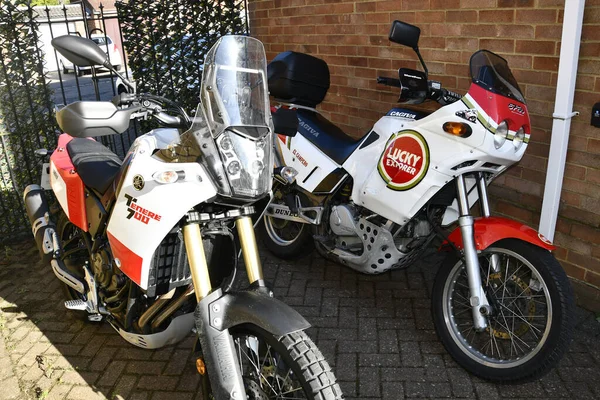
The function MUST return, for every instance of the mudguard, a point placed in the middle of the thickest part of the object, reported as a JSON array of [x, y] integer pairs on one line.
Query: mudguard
[[218, 312], [257, 308], [492, 229]]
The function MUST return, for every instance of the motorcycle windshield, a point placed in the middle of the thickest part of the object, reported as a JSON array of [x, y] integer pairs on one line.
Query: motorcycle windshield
[[491, 72], [231, 133]]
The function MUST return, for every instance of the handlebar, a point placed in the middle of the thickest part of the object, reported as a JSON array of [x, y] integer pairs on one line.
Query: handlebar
[[150, 106], [435, 91], [389, 81]]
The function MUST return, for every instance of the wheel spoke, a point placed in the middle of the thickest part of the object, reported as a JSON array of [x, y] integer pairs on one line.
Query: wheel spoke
[[520, 298]]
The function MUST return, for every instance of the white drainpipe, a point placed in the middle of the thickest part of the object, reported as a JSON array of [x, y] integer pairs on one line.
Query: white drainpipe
[[563, 112]]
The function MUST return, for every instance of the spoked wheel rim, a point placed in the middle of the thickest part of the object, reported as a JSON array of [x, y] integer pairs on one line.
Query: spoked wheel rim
[[266, 373], [521, 317], [282, 231]]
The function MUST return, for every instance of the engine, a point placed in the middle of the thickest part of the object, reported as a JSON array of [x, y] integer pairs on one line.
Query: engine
[[372, 244]]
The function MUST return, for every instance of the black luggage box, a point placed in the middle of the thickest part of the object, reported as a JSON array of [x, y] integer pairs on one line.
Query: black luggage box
[[298, 78]]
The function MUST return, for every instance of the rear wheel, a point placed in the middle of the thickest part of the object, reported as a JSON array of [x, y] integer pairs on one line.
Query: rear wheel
[[531, 322], [291, 367], [285, 239]]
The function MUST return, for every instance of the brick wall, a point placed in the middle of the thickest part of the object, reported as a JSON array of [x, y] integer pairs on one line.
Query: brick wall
[[352, 37]]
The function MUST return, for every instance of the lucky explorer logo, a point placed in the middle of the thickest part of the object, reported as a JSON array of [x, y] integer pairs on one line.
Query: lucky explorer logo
[[140, 213], [405, 161]]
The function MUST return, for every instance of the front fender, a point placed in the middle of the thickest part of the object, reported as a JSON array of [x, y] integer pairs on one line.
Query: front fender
[[253, 307], [488, 231]]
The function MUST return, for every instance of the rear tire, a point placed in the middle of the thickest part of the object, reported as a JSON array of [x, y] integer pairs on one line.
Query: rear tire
[[531, 324], [285, 239]]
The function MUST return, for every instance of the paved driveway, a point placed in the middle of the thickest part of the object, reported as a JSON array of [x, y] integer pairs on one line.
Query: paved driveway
[[375, 330]]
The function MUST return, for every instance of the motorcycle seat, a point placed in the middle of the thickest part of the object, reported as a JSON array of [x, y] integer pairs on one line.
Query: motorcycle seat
[[95, 163], [329, 138]]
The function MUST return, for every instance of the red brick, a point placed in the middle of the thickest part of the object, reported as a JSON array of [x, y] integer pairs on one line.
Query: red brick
[[515, 31], [444, 4], [462, 16], [497, 16], [592, 278], [477, 3], [573, 271], [498, 45], [537, 16], [545, 63], [548, 32], [515, 3], [535, 47], [514, 211], [594, 146]]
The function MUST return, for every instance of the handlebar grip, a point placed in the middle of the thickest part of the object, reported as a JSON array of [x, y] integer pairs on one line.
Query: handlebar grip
[[389, 81]]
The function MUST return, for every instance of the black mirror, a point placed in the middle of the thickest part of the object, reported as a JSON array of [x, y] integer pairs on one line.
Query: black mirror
[[80, 51], [285, 122], [405, 34]]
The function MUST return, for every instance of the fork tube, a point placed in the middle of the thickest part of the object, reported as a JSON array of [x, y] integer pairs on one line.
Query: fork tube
[[478, 300], [197, 259], [483, 197], [485, 211], [245, 231]]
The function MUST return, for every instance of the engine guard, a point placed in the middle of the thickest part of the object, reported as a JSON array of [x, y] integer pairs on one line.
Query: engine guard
[[488, 231]]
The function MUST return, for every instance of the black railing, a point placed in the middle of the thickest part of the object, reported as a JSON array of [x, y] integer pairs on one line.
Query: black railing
[[159, 45]]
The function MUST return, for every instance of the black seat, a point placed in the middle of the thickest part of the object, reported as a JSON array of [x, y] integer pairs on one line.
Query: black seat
[[330, 139], [94, 162]]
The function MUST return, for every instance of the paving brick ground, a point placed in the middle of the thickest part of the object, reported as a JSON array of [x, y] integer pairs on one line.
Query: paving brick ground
[[375, 330]]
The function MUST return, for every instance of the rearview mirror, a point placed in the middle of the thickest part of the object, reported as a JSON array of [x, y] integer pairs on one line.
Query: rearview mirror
[[405, 34], [80, 51]]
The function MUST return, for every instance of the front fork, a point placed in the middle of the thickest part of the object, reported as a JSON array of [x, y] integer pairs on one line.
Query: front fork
[[217, 346], [480, 307]]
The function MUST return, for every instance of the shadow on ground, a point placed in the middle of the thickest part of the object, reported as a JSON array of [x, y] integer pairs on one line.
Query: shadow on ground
[[376, 331]]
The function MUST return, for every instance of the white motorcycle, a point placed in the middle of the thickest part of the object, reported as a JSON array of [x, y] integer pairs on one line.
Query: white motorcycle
[[148, 244], [502, 305]]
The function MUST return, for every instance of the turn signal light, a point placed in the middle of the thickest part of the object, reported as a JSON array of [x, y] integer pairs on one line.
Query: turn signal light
[[200, 366], [458, 129], [168, 176]]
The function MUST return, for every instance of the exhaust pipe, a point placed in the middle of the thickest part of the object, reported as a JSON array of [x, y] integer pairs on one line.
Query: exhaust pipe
[[45, 235], [42, 227]]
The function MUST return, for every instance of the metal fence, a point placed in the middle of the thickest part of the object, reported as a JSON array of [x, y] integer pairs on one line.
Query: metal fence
[[159, 45]]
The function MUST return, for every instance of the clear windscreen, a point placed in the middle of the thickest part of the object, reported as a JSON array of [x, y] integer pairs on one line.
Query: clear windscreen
[[491, 72], [232, 125]]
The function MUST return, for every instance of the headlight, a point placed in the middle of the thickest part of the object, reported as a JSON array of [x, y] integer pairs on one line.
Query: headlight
[[501, 134], [519, 138], [247, 163]]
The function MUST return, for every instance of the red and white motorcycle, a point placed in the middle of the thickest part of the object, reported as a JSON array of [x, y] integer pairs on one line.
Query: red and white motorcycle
[[502, 304], [149, 244]]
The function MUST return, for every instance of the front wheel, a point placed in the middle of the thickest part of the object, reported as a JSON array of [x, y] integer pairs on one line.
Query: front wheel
[[531, 320], [289, 367]]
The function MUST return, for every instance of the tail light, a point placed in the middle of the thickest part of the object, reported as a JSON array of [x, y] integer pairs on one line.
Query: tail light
[[116, 48]]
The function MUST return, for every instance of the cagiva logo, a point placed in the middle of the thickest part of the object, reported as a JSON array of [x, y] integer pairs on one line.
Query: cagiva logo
[[405, 160]]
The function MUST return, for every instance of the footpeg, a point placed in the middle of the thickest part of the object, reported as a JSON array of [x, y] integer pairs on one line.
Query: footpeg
[[78, 305]]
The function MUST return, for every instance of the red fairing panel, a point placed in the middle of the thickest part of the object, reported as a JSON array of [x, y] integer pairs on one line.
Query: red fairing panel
[[131, 263], [74, 185], [492, 229], [500, 108]]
